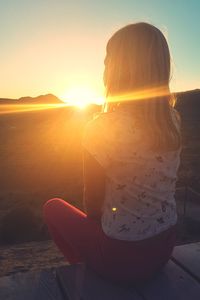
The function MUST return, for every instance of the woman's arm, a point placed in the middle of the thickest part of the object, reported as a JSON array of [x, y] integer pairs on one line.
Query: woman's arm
[[94, 186]]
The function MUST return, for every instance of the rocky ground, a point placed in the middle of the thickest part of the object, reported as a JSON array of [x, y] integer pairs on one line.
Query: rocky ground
[[32, 256]]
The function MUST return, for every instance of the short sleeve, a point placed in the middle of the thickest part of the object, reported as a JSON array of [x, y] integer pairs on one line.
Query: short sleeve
[[96, 141]]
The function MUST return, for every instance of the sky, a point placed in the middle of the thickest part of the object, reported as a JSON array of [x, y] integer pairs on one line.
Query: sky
[[56, 46]]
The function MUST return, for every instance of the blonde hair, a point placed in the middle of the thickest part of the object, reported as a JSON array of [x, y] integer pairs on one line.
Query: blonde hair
[[137, 74]]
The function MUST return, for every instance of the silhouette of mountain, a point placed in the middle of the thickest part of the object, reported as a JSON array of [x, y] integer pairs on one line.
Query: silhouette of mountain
[[8, 101], [188, 104], [42, 99]]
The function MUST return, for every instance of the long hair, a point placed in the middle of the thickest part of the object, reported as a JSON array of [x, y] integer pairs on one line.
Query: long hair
[[137, 75]]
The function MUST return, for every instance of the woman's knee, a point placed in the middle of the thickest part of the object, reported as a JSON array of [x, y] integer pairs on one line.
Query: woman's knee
[[51, 207], [57, 210]]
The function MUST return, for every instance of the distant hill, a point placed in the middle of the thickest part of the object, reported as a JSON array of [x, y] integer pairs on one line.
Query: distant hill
[[8, 101], [188, 104], [42, 99]]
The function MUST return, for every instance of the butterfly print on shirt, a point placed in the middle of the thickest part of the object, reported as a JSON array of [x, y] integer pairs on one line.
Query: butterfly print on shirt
[[120, 186], [159, 159], [123, 200], [141, 195], [123, 227], [164, 205], [160, 220]]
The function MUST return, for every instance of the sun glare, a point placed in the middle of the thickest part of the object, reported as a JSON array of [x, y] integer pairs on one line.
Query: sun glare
[[81, 97]]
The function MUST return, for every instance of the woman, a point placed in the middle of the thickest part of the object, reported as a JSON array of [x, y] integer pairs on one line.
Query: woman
[[131, 157]]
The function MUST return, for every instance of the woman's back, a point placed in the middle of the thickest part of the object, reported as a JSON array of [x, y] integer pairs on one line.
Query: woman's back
[[140, 183]]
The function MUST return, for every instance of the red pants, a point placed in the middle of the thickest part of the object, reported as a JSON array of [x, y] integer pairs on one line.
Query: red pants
[[81, 239]]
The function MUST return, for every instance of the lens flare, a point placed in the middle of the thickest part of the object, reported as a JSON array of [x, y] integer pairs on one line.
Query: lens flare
[[143, 94]]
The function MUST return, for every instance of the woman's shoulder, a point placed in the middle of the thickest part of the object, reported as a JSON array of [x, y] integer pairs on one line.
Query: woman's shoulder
[[96, 127], [113, 126], [102, 121]]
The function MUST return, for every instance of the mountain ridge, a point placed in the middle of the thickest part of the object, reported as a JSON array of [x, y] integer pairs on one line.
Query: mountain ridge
[[41, 99]]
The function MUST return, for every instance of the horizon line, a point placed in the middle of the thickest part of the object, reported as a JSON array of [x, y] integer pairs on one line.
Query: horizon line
[[60, 98]]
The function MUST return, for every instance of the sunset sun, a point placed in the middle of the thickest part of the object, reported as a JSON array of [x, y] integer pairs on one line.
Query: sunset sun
[[82, 96]]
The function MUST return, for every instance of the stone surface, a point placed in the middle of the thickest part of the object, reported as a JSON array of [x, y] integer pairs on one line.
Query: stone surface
[[32, 257]]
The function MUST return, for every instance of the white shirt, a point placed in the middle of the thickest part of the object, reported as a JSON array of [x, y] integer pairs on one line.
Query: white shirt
[[140, 184]]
